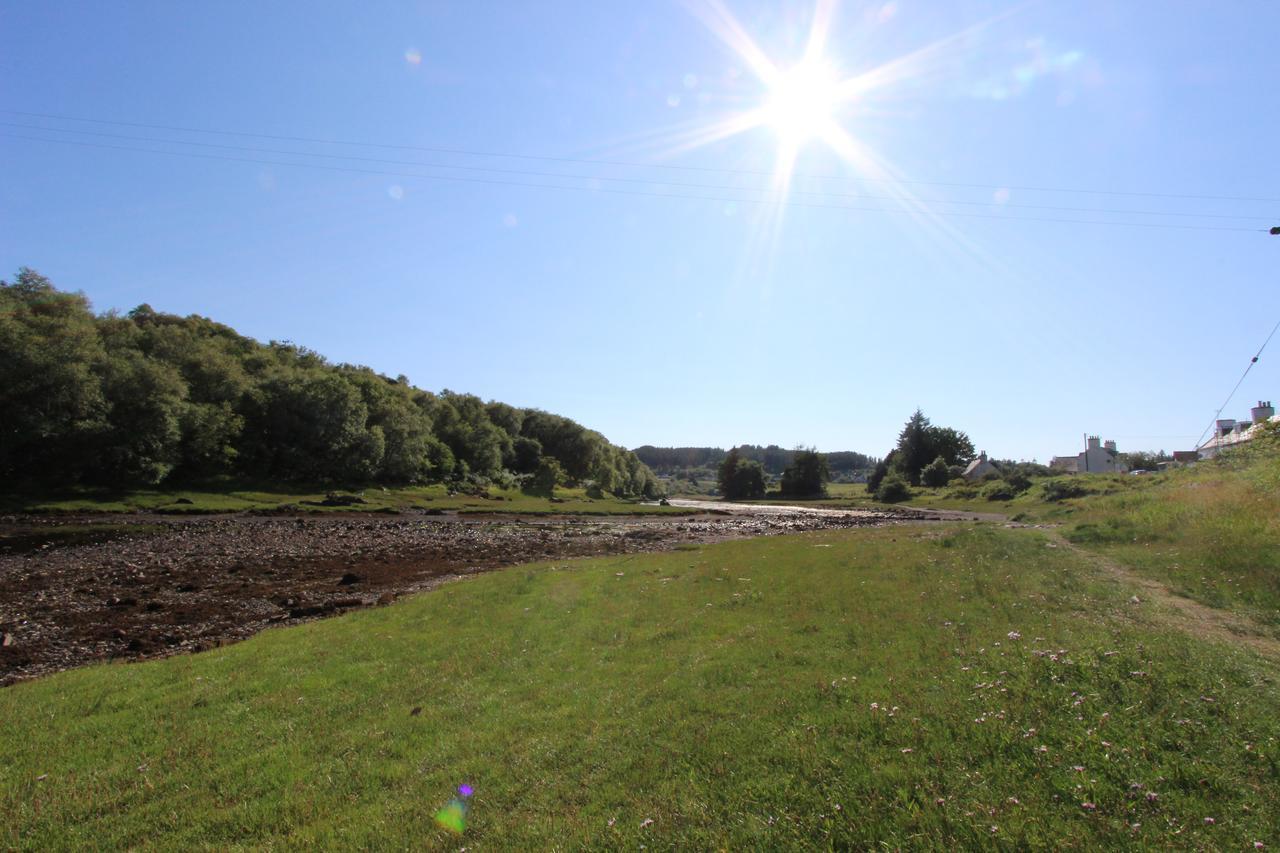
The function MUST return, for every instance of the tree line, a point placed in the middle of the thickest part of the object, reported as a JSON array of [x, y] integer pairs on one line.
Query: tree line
[[740, 478], [148, 398], [773, 459]]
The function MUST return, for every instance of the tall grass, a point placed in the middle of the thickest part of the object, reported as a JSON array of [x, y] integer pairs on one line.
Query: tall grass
[[1212, 531]]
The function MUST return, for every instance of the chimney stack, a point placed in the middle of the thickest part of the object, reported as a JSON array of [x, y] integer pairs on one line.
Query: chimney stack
[[1110, 445], [1262, 412]]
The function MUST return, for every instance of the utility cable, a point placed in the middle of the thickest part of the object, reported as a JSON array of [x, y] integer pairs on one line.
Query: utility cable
[[1252, 362], [642, 181], [781, 202], [629, 164]]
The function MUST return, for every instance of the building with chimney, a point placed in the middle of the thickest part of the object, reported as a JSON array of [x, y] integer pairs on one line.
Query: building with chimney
[[1097, 458], [1229, 433], [979, 468]]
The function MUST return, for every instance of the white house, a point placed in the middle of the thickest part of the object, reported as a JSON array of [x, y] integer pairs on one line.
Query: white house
[[979, 468], [1230, 433], [1098, 458]]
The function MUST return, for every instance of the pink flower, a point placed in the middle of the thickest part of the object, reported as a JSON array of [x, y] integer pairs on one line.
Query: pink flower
[[1152, 796], [1014, 635], [1088, 806], [906, 749], [1078, 768], [1209, 821]]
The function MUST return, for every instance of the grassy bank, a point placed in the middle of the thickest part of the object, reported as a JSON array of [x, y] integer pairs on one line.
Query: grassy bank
[[915, 687], [241, 497]]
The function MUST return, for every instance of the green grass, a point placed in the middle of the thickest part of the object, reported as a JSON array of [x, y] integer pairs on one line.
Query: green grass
[[239, 497], [835, 689], [1209, 532]]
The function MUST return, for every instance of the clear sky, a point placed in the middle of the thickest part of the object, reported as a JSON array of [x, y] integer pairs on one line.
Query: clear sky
[[715, 318]]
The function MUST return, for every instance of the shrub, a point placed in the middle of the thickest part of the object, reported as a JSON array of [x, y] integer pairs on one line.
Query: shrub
[[1018, 481], [893, 489], [998, 490], [935, 474], [1058, 490]]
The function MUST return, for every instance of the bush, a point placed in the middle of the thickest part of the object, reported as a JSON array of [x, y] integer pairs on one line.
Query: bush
[[1058, 490], [998, 490], [892, 490], [1018, 481], [935, 474]]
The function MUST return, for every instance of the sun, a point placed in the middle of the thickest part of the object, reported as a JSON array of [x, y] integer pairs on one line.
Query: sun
[[802, 102]]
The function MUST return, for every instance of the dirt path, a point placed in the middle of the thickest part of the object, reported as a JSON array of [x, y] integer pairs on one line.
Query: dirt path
[[1179, 612]]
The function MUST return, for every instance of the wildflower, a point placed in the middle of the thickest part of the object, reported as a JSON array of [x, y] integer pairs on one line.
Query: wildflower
[[1088, 807], [1152, 796], [1258, 845], [1014, 635], [1013, 801], [875, 706], [1078, 768], [647, 822], [1209, 821], [939, 801], [994, 829], [906, 750], [612, 821]]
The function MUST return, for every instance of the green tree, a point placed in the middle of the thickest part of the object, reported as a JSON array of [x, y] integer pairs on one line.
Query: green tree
[[920, 442], [50, 389], [807, 475], [740, 478], [545, 479]]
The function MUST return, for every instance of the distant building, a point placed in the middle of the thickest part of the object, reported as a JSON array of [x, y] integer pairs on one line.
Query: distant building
[[1098, 458], [979, 468], [1230, 433]]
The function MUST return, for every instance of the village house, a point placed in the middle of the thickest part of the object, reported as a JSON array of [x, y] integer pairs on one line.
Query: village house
[[979, 468], [1230, 433], [1098, 458]]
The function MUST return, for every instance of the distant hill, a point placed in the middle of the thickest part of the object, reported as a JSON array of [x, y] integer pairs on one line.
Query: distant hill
[[775, 459], [149, 398]]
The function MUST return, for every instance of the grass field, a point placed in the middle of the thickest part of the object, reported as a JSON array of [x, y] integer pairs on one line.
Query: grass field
[[239, 497], [909, 687]]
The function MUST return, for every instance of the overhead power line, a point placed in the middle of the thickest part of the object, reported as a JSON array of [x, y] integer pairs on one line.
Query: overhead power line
[[641, 181], [784, 202], [1225, 402], [630, 164]]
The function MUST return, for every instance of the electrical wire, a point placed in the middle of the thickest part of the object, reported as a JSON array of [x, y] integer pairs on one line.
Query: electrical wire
[[781, 202], [642, 181], [1252, 362], [629, 164]]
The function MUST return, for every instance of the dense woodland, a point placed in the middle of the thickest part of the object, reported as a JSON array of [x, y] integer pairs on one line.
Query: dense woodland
[[774, 459], [148, 398]]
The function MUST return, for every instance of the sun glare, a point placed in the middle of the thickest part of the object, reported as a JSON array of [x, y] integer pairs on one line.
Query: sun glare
[[802, 102]]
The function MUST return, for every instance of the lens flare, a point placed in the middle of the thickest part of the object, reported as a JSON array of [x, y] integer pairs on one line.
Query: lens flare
[[453, 816]]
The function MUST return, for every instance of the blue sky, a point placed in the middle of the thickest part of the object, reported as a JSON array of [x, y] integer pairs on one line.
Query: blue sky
[[710, 319]]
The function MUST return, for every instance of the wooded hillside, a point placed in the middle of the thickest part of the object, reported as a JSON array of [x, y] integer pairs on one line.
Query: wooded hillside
[[148, 397]]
